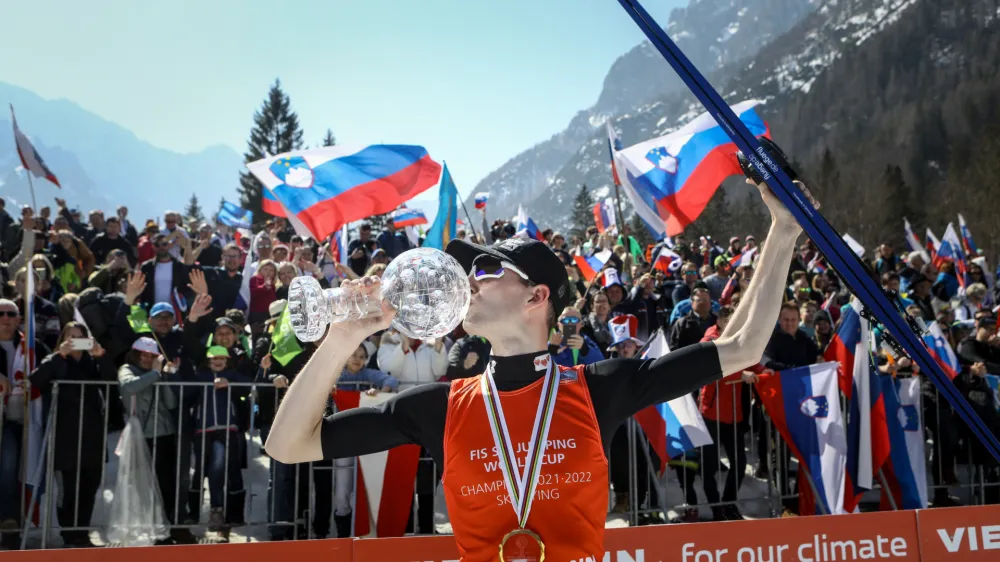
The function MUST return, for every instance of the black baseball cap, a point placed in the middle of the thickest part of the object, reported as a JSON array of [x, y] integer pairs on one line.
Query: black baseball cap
[[534, 258]]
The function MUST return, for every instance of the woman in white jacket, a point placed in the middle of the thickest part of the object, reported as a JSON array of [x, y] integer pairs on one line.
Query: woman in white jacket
[[412, 362]]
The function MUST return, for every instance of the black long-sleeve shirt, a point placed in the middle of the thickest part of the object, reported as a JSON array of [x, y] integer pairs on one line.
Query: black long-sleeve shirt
[[618, 389]]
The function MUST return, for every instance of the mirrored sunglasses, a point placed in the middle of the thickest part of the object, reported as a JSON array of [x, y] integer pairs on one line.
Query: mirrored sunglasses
[[488, 267]]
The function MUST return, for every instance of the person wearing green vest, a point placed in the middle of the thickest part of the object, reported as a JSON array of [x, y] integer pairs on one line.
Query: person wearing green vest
[[633, 247]]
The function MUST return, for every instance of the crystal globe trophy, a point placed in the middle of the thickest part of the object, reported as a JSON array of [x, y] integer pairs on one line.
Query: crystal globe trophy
[[427, 287]]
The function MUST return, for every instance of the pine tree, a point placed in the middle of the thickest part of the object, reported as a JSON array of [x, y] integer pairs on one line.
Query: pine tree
[[329, 139], [582, 215], [898, 202], [276, 130], [193, 210], [222, 203]]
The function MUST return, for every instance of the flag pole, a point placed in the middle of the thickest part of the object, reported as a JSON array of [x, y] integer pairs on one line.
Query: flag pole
[[886, 490], [31, 184], [472, 224]]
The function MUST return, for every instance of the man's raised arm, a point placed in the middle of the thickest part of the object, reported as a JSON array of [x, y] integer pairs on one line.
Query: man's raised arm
[[743, 342], [295, 434]]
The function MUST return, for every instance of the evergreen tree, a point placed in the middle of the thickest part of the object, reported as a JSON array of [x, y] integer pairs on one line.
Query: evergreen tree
[[193, 210], [215, 217], [897, 202], [276, 130], [329, 139], [582, 215]]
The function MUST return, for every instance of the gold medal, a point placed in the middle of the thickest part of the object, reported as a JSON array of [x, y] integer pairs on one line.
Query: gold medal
[[522, 545]]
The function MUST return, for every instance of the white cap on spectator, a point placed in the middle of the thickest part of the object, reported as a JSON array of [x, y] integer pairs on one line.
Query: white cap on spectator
[[914, 254], [147, 345], [276, 308]]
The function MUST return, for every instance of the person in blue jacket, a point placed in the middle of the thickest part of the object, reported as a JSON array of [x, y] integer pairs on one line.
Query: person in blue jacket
[[569, 347], [220, 444]]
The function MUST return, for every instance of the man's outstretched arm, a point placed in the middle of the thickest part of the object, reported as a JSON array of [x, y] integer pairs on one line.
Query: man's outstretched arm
[[295, 435], [743, 342]]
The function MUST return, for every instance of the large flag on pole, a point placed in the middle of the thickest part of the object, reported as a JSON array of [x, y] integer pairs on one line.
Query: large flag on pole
[[804, 405], [325, 188], [30, 158], [677, 174], [446, 221]]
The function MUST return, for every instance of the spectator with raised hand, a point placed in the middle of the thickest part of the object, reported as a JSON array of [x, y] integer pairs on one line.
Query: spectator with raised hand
[[25, 249], [206, 251], [112, 274], [79, 444], [68, 219], [163, 275], [412, 361], [222, 283], [263, 290], [360, 249], [72, 259]]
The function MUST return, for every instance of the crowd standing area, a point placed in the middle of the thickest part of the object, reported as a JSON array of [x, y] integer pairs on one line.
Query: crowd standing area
[[185, 341]]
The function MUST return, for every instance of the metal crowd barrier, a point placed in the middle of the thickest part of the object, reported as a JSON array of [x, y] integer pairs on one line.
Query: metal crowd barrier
[[764, 492]]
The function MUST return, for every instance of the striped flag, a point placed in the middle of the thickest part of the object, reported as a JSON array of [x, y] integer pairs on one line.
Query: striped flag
[[970, 246], [404, 216], [481, 199], [30, 158], [913, 243]]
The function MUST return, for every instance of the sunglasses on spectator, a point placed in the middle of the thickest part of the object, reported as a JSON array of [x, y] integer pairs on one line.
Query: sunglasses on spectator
[[9, 313], [162, 244], [569, 320], [692, 272], [488, 267]]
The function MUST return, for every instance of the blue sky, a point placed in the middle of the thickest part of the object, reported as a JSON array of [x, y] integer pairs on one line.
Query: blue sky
[[475, 81]]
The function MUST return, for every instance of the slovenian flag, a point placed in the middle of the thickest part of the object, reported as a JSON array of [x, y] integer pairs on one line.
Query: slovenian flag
[[30, 158], [525, 226], [906, 469], [642, 201], [387, 501], [674, 427], [743, 258], [804, 405], [324, 188], [269, 204], [932, 243], [604, 215], [950, 249], [941, 350], [667, 260], [404, 216], [590, 265], [913, 243], [677, 174], [481, 198], [969, 245]]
